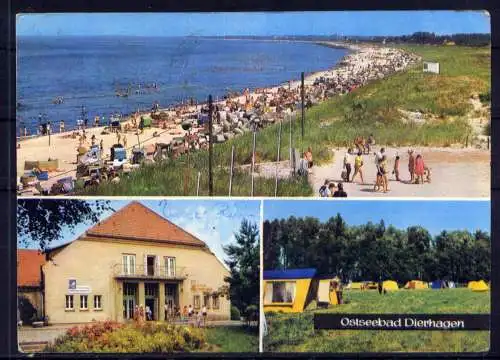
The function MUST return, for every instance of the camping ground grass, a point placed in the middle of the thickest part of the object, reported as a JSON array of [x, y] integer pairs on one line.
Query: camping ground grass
[[372, 109], [233, 338], [295, 333]]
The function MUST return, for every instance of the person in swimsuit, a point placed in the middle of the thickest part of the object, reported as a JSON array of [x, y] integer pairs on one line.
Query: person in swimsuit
[[358, 164]]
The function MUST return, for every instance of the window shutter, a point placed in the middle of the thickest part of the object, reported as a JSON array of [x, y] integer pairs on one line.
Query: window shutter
[[157, 263], [145, 265]]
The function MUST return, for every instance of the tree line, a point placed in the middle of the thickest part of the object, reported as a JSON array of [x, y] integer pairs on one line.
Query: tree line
[[374, 252], [429, 38], [421, 37]]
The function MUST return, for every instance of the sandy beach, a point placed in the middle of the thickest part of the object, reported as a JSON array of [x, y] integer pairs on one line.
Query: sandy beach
[[455, 173]]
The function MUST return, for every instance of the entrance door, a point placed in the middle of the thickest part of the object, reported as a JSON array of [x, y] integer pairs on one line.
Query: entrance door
[[151, 304], [129, 300], [128, 308], [151, 298], [170, 296]]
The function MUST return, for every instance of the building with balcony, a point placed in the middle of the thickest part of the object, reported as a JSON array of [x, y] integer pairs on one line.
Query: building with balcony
[[134, 257]]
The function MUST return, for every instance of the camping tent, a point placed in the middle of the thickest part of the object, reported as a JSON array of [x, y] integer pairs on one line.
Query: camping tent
[[390, 285], [356, 286], [328, 290], [439, 284], [416, 284], [287, 290], [293, 290], [478, 285]]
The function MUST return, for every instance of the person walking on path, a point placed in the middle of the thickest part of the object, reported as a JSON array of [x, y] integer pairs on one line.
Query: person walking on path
[[395, 171], [419, 169], [411, 166], [347, 163], [358, 164]]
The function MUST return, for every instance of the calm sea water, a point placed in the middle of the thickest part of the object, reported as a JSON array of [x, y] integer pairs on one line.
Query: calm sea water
[[87, 71]]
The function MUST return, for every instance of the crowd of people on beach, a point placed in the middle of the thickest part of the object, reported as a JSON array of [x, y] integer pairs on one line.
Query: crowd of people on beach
[[188, 315]]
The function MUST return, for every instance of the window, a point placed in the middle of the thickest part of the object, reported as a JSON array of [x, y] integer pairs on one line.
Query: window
[[426, 66], [128, 264], [98, 302], [84, 302], [150, 265], [169, 266], [69, 302], [215, 301], [196, 301], [279, 292], [206, 301]]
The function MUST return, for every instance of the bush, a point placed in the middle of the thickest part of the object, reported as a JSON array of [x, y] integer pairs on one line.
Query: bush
[[485, 97], [235, 313], [150, 337]]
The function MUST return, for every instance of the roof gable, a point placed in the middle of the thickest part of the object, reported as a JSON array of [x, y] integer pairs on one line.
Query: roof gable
[[137, 222], [29, 272]]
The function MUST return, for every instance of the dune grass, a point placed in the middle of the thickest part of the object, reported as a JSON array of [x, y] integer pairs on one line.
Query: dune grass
[[372, 109], [294, 332]]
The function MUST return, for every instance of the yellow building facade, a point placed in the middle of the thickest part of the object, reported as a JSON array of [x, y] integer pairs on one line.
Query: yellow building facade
[[135, 257]]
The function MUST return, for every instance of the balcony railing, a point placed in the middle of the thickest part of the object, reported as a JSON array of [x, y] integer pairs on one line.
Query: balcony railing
[[148, 272]]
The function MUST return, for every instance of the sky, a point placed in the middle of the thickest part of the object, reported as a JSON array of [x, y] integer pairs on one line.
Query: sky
[[435, 216], [212, 221], [371, 23]]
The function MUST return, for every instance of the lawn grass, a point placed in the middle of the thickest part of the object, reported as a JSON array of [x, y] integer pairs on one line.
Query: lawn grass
[[295, 333], [372, 109], [233, 338]]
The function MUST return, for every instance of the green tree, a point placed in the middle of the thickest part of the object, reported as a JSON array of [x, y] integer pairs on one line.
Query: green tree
[[42, 221], [244, 266]]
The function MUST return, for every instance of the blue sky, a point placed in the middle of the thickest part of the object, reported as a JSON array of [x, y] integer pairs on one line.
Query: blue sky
[[435, 216], [213, 221], [258, 23]]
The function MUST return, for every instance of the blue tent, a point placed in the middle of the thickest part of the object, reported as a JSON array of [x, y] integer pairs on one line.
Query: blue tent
[[289, 274], [438, 284]]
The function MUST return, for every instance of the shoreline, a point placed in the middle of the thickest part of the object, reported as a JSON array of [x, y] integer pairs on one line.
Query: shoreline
[[357, 61], [168, 107]]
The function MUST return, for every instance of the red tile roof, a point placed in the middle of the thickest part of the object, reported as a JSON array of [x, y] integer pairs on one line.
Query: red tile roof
[[137, 222], [28, 267]]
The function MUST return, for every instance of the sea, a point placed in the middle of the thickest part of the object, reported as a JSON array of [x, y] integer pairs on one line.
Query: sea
[[66, 78]]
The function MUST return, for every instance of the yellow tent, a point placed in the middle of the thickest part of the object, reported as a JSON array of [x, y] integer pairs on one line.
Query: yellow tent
[[390, 285], [356, 286], [416, 284], [478, 285], [327, 292], [293, 290], [288, 290]]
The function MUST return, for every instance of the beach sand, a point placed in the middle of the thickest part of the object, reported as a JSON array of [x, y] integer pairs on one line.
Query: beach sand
[[455, 173], [65, 149]]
